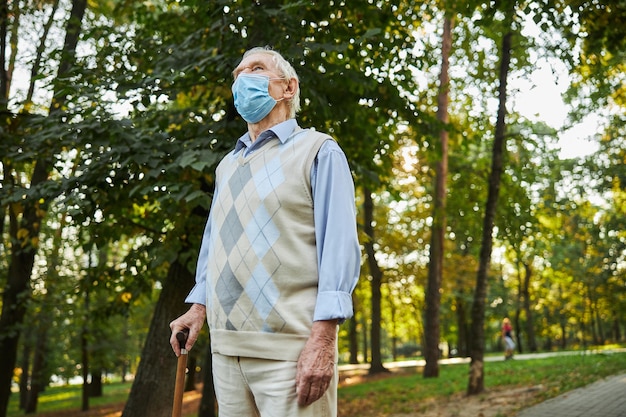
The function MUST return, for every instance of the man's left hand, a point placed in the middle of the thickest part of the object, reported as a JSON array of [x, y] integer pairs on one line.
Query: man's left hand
[[316, 364]]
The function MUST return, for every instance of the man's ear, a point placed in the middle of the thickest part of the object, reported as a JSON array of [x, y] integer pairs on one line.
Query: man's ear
[[291, 89]]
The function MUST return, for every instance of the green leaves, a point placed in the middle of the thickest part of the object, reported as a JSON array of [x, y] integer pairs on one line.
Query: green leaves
[[198, 160]]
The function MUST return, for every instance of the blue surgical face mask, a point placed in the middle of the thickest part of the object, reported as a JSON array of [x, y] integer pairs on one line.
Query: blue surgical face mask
[[252, 98]]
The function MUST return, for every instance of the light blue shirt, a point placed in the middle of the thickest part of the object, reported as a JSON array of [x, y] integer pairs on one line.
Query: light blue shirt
[[338, 250]]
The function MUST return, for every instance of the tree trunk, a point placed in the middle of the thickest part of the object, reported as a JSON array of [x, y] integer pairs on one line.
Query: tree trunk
[[17, 289], [530, 326], [583, 332], [4, 76], [617, 334], [518, 312], [84, 344], [16, 14], [437, 237], [45, 319], [353, 336], [394, 332], [376, 365], [208, 403], [38, 374], [152, 392], [476, 383], [600, 328], [563, 333], [96, 388], [43, 40], [461, 319], [25, 376], [366, 354], [518, 334]]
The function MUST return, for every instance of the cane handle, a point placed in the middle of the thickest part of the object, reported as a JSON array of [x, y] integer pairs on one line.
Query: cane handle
[[182, 340]]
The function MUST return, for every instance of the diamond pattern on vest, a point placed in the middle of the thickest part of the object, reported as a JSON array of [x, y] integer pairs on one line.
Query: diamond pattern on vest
[[249, 296], [229, 289]]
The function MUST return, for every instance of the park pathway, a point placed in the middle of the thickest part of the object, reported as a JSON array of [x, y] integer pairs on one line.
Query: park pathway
[[604, 398]]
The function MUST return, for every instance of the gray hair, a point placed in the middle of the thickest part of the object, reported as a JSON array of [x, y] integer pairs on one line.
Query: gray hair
[[286, 70]]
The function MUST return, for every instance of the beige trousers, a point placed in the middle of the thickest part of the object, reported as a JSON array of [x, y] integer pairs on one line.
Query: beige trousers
[[249, 387]]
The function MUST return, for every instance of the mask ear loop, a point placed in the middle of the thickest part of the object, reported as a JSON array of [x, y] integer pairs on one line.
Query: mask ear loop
[[277, 79]]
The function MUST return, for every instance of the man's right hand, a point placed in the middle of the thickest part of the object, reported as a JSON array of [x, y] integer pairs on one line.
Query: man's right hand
[[192, 320]]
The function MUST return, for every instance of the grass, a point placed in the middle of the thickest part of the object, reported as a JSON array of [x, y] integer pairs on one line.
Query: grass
[[69, 397], [402, 392]]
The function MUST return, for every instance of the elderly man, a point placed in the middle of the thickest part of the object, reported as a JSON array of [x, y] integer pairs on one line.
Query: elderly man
[[280, 255]]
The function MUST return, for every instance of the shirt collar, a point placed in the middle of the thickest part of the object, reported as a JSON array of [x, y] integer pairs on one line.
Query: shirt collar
[[282, 131]]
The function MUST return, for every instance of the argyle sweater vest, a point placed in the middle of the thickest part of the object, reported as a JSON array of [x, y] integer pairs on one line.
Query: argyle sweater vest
[[262, 273]]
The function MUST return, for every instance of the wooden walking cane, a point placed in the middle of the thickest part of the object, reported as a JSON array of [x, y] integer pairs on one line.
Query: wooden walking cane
[[181, 369]]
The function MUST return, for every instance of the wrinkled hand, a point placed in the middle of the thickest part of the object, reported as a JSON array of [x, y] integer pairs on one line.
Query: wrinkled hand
[[192, 320], [316, 364]]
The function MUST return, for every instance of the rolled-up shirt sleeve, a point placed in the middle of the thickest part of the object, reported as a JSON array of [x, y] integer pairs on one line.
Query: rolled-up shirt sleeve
[[338, 250]]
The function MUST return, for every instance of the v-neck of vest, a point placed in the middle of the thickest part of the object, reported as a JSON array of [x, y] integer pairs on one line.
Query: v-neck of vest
[[243, 159]]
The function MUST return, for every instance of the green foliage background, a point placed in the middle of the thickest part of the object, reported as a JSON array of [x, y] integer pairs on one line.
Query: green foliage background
[[132, 132]]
